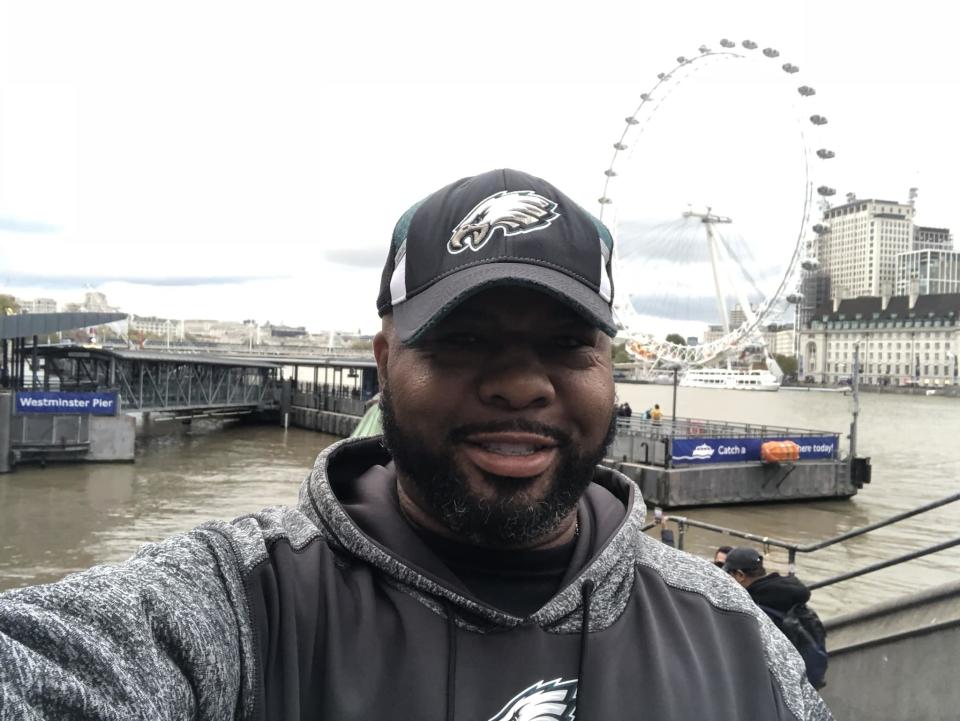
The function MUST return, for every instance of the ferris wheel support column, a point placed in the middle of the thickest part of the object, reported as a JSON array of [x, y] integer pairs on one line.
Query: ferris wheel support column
[[714, 266]]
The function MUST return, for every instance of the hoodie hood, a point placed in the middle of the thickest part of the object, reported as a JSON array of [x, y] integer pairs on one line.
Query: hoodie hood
[[350, 471]]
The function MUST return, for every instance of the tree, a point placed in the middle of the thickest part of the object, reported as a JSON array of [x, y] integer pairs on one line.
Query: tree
[[787, 363], [676, 338], [8, 305]]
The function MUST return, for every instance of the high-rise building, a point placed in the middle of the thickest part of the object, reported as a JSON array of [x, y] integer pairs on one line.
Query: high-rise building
[[932, 238], [859, 248], [935, 272]]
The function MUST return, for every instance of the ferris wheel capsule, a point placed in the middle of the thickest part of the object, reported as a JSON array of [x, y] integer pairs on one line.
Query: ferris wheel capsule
[[749, 44], [630, 120], [610, 173], [818, 120], [771, 53], [806, 91], [820, 229], [619, 146], [703, 49], [825, 154], [682, 60], [645, 97], [790, 68], [604, 200], [728, 43], [826, 191]]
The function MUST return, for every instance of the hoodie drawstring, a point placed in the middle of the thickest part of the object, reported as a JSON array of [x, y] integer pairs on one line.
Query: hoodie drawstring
[[451, 660], [586, 594]]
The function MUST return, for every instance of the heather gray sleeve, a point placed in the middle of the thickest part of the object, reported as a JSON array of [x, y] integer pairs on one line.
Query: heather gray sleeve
[[161, 636]]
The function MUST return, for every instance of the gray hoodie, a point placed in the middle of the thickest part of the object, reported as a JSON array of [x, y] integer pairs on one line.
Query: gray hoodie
[[336, 609]]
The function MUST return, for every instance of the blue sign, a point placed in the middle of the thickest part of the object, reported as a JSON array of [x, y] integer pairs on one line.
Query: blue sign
[[97, 404], [715, 450], [731, 450]]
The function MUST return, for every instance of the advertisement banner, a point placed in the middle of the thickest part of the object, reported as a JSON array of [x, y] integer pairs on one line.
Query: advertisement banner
[[97, 404], [732, 450]]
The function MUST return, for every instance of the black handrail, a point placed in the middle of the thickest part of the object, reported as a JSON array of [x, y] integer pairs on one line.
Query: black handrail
[[885, 564], [794, 548]]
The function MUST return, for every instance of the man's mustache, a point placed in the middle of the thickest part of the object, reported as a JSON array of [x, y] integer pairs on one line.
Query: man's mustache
[[462, 433]]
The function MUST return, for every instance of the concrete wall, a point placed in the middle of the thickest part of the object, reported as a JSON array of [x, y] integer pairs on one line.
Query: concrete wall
[[111, 438], [337, 424], [738, 483], [897, 660]]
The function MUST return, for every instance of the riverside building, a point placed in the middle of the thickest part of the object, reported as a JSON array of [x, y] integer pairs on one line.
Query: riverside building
[[928, 272], [860, 244], [903, 340]]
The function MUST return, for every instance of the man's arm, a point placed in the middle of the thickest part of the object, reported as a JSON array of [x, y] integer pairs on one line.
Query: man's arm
[[157, 637]]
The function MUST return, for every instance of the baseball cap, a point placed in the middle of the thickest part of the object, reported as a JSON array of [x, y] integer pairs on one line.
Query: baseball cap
[[743, 559], [503, 227]]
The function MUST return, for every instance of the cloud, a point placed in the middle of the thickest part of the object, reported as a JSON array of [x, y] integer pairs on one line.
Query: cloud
[[20, 225], [368, 257], [67, 281]]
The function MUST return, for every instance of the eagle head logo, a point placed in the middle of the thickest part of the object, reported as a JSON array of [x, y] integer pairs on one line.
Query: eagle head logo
[[513, 211], [543, 701]]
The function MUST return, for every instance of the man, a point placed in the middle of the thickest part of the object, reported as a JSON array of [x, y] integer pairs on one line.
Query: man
[[475, 563], [720, 556], [656, 415], [784, 599]]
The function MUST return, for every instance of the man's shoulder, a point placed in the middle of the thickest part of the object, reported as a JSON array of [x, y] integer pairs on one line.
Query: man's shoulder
[[251, 537], [682, 571]]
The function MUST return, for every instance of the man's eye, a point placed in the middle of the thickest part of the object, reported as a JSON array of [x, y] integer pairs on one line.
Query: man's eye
[[460, 340], [572, 341]]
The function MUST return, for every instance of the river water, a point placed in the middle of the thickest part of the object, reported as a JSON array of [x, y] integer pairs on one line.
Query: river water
[[60, 519]]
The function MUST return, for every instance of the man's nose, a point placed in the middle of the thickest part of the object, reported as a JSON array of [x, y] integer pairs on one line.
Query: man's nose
[[516, 379]]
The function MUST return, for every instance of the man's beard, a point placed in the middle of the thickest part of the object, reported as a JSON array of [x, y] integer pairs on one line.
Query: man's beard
[[511, 518]]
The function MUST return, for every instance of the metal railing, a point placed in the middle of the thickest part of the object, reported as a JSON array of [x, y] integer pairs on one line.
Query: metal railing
[[683, 523], [692, 427]]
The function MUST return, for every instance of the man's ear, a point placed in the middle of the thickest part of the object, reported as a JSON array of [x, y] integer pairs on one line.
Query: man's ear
[[381, 351]]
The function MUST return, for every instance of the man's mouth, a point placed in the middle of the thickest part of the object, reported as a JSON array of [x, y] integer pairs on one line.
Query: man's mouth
[[514, 454]]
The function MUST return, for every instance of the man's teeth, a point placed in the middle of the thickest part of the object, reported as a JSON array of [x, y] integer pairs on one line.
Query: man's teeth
[[511, 449]]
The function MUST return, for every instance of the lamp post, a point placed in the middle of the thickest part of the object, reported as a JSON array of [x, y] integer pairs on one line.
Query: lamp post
[[676, 381]]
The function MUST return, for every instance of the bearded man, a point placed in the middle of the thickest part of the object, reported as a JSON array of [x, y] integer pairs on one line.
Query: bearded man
[[473, 563]]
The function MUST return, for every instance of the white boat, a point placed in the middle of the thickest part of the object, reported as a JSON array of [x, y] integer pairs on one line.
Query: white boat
[[753, 380]]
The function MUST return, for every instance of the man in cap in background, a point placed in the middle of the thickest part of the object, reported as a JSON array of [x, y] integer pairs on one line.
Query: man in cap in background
[[473, 563], [784, 599]]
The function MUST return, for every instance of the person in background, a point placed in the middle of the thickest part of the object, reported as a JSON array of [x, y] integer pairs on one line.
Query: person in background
[[784, 600], [720, 555], [656, 414]]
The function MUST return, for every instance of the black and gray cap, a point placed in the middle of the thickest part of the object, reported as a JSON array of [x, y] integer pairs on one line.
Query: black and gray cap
[[743, 558], [503, 227]]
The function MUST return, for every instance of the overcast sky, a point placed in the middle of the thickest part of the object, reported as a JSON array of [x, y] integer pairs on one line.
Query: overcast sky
[[249, 160]]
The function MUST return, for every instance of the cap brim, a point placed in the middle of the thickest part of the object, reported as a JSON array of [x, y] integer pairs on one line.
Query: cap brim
[[414, 316]]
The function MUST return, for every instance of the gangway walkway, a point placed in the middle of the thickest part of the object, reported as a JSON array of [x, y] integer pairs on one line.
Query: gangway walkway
[[150, 381]]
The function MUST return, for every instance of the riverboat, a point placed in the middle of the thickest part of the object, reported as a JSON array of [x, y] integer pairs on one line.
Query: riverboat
[[728, 379]]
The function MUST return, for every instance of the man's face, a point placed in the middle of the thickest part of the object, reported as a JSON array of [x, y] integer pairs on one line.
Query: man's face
[[719, 558], [498, 415]]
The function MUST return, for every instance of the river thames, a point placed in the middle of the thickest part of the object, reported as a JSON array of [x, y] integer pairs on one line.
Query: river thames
[[61, 519]]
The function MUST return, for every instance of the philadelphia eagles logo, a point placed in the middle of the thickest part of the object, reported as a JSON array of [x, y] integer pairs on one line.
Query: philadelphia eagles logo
[[513, 211], [544, 701]]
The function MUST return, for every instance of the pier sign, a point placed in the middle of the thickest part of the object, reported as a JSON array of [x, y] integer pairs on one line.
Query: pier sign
[[732, 450], [97, 404]]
